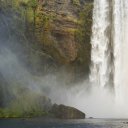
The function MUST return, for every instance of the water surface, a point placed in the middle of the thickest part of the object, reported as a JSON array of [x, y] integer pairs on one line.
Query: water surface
[[53, 123]]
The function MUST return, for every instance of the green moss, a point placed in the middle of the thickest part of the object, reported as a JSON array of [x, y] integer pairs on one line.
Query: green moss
[[76, 2], [83, 36], [71, 30]]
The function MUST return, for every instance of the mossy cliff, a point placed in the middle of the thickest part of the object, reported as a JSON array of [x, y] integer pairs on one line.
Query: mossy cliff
[[63, 29], [47, 36], [60, 29]]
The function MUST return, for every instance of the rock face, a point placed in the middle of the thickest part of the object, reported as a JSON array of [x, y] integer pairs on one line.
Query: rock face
[[58, 34], [59, 29], [63, 34], [56, 25], [66, 112]]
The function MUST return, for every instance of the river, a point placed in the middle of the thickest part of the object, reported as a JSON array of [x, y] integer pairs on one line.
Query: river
[[54, 123]]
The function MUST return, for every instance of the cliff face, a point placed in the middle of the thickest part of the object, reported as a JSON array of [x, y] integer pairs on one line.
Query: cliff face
[[44, 35], [58, 30], [63, 28]]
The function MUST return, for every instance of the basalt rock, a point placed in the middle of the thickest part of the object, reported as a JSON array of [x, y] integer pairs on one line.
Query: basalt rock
[[67, 112]]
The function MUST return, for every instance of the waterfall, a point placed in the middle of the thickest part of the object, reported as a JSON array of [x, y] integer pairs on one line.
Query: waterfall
[[109, 55], [101, 50], [118, 17], [121, 49]]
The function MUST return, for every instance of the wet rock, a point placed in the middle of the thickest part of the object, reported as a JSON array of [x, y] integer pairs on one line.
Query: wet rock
[[67, 112]]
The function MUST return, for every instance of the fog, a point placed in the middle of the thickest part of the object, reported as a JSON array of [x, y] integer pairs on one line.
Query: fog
[[25, 88], [95, 102]]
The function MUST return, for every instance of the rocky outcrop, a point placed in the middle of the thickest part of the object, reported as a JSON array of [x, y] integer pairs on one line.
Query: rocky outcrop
[[66, 112]]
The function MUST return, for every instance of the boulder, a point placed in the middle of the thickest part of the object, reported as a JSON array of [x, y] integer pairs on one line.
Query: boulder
[[67, 112]]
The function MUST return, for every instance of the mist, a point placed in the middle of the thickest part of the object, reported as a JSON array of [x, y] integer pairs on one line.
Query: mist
[[24, 90]]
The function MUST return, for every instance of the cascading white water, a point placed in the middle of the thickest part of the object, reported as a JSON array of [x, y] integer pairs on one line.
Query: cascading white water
[[120, 41], [109, 55], [118, 17], [101, 54]]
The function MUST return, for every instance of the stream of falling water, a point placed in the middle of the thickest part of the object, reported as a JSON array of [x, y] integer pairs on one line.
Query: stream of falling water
[[121, 50], [109, 55], [100, 56]]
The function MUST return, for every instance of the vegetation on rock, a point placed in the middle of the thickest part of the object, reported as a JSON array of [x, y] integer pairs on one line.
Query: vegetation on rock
[[53, 36], [83, 36]]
